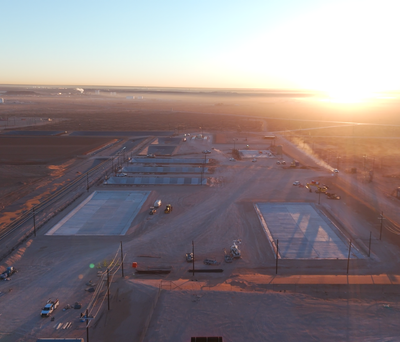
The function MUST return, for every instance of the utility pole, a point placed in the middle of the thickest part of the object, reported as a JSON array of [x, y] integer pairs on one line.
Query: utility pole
[[34, 221], [369, 249], [381, 218], [277, 256], [193, 256], [122, 261], [202, 170], [348, 258], [108, 288], [87, 181], [87, 325], [319, 197]]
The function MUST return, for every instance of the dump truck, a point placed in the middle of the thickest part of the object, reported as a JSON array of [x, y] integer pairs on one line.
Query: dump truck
[[168, 209]]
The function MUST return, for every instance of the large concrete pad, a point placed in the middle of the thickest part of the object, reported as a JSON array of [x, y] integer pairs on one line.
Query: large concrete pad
[[102, 213], [256, 154], [169, 160], [156, 180], [303, 232], [165, 169]]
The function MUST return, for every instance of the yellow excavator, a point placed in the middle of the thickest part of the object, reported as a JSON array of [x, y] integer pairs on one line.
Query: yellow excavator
[[168, 209], [319, 188]]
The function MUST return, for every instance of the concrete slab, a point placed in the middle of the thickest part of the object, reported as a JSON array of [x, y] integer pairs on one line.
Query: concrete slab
[[155, 181], [169, 160], [102, 213], [164, 169], [256, 154], [303, 232]]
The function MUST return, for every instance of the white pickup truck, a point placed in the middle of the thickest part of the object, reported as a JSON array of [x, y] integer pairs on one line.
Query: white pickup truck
[[50, 306]]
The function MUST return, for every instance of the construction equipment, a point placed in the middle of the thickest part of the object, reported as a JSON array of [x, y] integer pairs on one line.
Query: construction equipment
[[189, 257], [235, 252], [168, 209], [294, 163], [227, 257], [319, 188], [332, 196], [210, 262], [7, 273]]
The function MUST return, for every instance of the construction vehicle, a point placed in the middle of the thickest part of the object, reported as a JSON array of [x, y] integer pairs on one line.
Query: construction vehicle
[[168, 209], [189, 257], [332, 196], [319, 188], [227, 257], [7, 273], [210, 262], [235, 252], [294, 163]]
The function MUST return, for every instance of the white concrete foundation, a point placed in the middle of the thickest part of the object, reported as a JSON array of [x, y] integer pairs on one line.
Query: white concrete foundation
[[102, 213]]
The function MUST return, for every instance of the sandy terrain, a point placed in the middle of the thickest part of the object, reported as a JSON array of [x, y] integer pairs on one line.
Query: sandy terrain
[[30, 162], [239, 303]]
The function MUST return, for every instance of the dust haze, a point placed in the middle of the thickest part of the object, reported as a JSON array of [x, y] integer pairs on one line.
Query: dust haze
[[216, 156]]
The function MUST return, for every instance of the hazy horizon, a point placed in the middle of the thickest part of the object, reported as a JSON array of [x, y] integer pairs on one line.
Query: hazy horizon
[[344, 48]]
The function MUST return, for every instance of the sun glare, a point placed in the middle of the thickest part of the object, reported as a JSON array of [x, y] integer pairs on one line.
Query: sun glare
[[354, 94], [346, 50]]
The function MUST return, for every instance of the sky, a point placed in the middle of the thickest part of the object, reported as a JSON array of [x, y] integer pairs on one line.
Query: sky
[[347, 47]]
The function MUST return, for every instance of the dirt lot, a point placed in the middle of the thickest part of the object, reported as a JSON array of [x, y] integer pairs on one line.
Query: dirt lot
[[237, 304], [373, 161], [27, 161]]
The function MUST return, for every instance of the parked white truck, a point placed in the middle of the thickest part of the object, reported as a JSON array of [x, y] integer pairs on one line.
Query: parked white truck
[[50, 306]]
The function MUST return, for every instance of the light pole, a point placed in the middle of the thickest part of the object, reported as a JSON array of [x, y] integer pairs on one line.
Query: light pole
[[381, 218]]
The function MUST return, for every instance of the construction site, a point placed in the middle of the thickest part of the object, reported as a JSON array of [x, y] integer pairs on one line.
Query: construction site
[[194, 235]]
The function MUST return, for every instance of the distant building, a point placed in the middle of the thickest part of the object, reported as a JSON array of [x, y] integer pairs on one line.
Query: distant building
[[1, 100], [140, 97], [113, 93], [97, 92], [130, 97]]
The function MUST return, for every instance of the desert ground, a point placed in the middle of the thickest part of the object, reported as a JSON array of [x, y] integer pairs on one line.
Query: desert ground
[[254, 297]]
